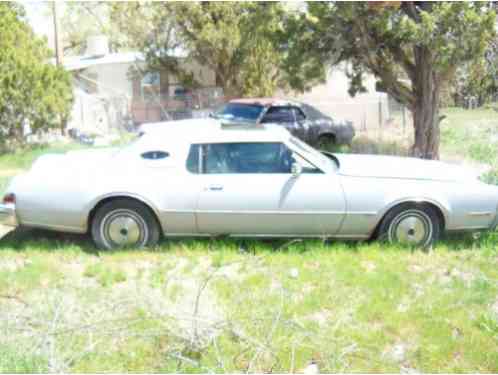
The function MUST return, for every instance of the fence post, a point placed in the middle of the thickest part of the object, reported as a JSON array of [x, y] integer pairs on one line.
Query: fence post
[[380, 119], [380, 113], [404, 119]]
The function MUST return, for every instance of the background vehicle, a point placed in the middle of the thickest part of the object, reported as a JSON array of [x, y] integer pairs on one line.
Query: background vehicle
[[205, 178], [302, 120]]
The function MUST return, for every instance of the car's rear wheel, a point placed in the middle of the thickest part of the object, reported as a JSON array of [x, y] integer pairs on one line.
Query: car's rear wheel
[[414, 225], [124, 223]]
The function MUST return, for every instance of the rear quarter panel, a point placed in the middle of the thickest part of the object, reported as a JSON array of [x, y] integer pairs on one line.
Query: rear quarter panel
[[62, 199]]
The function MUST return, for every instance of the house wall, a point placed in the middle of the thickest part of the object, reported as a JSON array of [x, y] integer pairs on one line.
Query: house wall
[[113, 78], [114, 93], [154, 107]]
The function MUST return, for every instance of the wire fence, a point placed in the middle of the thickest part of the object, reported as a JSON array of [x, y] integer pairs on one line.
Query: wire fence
[[110, 112]]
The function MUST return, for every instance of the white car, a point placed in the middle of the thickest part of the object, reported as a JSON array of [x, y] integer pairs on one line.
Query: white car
[[205, 178]]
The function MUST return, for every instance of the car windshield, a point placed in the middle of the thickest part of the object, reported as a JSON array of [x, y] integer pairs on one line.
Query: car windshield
[[239, 111], [323, 161]]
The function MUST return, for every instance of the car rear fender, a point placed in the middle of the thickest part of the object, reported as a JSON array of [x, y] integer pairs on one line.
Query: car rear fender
[[91, 207]]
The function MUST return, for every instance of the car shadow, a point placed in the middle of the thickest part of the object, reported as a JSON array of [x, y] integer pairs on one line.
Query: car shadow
[[23, 239]]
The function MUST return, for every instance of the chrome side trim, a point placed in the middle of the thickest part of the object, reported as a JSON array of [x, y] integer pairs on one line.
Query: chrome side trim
[[366, 213], [259, 212], [494, 223], [168, 234], [270, 235], [474, 227], [317, 236], [57, 228], [483, 213]]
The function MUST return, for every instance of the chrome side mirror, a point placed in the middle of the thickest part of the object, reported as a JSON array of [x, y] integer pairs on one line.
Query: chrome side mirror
[[296, 169]]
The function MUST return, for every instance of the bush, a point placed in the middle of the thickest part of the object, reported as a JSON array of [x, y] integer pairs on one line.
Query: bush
[[33, 91], [490, 177]]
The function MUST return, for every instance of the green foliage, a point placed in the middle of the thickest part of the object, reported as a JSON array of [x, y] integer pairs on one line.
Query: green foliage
[[32, 90], [477, 79], [234, 40], [104, 274], [13, 360], [413, 48], [386, 40], [490, 177]]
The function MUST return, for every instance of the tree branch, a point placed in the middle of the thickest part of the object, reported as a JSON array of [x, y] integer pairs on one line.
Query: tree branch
[[371, 57]]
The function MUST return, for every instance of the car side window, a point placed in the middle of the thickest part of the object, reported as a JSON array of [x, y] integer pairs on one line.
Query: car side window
[[299, 114], [278, 115], [193, 159], [257, 157]]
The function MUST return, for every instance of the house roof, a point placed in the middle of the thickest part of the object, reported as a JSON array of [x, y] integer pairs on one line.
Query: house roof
[[72, 63], [82, 62]]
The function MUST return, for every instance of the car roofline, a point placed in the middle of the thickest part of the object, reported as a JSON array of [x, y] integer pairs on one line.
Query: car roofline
[[265, 102]]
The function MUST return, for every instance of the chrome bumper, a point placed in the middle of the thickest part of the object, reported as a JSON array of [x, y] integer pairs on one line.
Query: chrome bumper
[[8, 215], [494, 223]]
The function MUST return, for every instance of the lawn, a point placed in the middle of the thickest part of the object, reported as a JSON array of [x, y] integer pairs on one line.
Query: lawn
[[252, 306], [227, 306]]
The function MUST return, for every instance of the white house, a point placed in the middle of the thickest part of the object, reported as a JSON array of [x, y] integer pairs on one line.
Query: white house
[[112, 89]]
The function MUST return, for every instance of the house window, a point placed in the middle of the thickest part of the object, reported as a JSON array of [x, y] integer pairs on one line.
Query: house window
[[150, 86]]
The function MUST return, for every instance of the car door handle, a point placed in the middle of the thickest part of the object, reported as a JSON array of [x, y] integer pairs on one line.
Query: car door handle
[[215, 187]]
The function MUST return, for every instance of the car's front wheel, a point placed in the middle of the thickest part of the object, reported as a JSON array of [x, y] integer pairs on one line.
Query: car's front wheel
[[124, 223], [415, 225]]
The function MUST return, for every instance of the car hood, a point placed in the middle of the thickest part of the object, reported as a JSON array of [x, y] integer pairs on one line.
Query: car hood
[[402, 168]]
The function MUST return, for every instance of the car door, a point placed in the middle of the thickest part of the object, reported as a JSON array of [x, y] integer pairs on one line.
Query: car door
[[285, 116], [248, 189], [303, 124]]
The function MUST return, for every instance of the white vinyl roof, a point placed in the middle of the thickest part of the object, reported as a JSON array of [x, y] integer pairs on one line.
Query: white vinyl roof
[[207, 130]]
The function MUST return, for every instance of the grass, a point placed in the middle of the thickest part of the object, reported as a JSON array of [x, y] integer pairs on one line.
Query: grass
[[253, 306], [470, 134], [465, 135], [13, 361], [105, 275], [348, 306]]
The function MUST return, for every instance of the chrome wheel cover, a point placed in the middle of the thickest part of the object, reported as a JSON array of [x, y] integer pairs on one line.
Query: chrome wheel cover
[[123, 228], [411, 227]]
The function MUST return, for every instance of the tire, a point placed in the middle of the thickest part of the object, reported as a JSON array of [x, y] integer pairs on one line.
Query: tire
[[325, 141], [124, 223], [413, 225]]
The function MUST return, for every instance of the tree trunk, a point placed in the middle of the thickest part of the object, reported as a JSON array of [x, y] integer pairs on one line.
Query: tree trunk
[[426, 109]]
